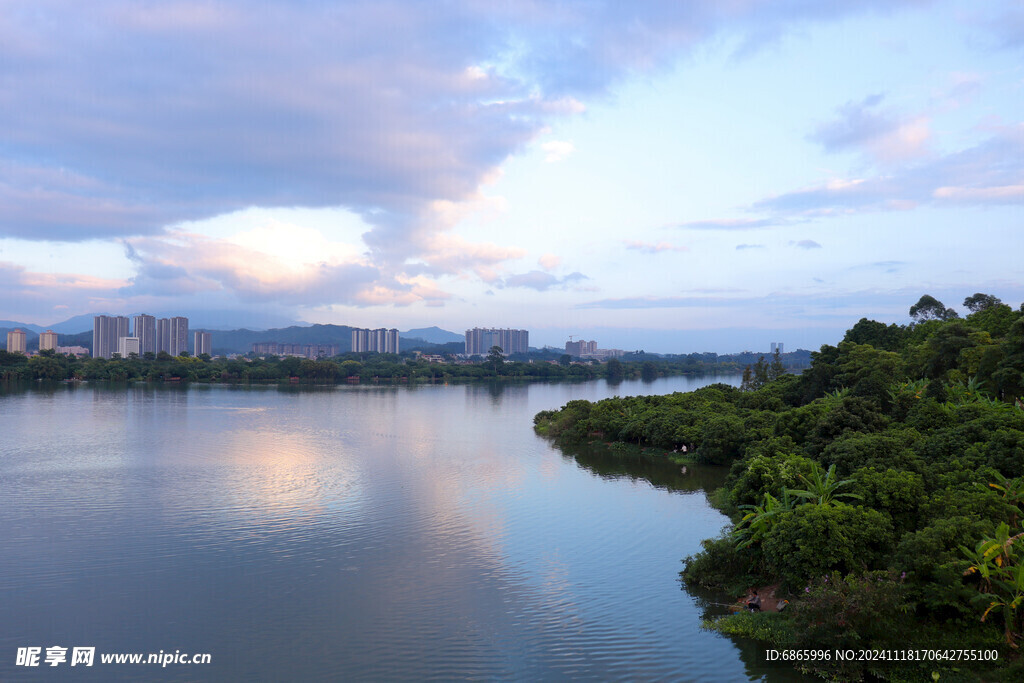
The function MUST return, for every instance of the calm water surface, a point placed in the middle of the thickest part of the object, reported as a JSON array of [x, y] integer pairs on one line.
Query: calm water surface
[[347, 533]]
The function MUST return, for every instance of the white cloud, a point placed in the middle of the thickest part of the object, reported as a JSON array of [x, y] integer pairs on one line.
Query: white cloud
[[652, 248], [556, 150]]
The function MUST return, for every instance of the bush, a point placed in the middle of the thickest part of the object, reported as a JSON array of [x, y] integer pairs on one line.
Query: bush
[[852, 612], [814, 540], [753, 477], [721, 566]]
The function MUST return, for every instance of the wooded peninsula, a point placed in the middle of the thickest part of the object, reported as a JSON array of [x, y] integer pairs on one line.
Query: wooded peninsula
[[880, 492], [365, 367]]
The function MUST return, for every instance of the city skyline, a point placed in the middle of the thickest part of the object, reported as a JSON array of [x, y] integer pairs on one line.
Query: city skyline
[[677, 177], [146, 334]]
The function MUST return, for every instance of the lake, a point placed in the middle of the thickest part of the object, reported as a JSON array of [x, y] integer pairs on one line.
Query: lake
[[349, 532]]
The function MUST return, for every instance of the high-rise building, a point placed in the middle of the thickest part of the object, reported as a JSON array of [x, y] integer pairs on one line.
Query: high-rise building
[[47, 340], [126, 346], [380, 340], [16, 341], [172, 335], [202, 343], [179, 336], [480, 340], [581, 348], [106, 330], [163, 335], [777, 346], [145, 330]]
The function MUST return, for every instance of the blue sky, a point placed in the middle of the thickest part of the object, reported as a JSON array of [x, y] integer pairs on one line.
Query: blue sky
[[661, 175]]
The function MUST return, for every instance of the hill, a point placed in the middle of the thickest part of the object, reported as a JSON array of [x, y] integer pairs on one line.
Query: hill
[[433, 335]]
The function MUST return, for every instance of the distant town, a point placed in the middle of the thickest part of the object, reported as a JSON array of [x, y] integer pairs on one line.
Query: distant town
[[146, 336]]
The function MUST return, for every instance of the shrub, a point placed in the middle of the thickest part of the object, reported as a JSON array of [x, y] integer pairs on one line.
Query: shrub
[[814, 540]]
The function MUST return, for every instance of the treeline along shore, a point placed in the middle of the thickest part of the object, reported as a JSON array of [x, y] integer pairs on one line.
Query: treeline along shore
[[880, 492], [365, 367]]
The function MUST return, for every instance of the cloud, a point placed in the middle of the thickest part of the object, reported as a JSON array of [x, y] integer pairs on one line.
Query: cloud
[[541, 281], [1008, 193], [988, 173], [122, 118], [806, 244], [1008, 27], [650, 248], [37, 296], [808, 303], [963, 87], [651, 302], [884, 266], [887, 138], [741, 247], [448, 254], [557, 150], [729, 224], [186, 263], [549, 261]]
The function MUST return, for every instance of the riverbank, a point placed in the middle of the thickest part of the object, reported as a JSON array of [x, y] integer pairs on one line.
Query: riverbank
[[862, 506], [348, 368]]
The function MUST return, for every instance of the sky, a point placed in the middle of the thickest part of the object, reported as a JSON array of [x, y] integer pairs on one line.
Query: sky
[[658, 175]]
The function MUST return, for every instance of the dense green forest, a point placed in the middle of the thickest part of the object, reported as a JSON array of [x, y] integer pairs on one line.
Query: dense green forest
[[48, 365], [881, 490]]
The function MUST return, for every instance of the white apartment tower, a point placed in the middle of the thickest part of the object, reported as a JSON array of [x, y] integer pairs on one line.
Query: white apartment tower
[[16, 341], [179, 336], [172, 335], [47, 340], [106, 330], [202, 343], [380, 340], [145, 330], [126, 346], [479, 341]]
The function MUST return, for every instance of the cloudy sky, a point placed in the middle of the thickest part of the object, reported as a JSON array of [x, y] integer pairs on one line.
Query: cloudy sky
[[675, 176]]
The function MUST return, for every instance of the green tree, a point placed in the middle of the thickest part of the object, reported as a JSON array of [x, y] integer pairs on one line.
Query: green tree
[[760, 372], [46, 367], [930, 308], [979, 302], [614, 371], [496, 359], [879, 335], [648, 371], [813, 540], [776, 369], [748, 380]]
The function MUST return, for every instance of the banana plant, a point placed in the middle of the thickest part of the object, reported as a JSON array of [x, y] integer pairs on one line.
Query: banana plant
[[999, 563], [1012, 491], [915, 388], [756, 524], [822, 491]]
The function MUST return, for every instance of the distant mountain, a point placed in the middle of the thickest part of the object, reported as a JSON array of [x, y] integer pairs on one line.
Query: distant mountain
[[79, 323], [434, 335], [8, 325], [241, 341], [233, 320], [205, 320]]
